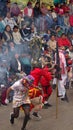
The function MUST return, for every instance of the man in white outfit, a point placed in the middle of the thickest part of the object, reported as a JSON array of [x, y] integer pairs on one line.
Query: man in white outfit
[[62, 81]]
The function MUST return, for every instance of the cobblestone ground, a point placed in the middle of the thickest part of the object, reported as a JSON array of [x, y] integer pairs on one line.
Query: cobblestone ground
[[64, 120]]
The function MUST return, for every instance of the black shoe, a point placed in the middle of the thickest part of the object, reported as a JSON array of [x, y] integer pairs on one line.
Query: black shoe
[[11, 119], [4, 104], [23, 128], [65, 99], [48, 105], [36, 116]]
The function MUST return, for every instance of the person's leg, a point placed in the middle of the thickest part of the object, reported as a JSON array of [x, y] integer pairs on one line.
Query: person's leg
[[14, 114], [48, 93], [37, 103], [26, 108]]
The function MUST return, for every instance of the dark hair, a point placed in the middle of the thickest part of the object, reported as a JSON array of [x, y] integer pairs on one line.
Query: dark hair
[[15, 27], [29, 3], [52, 35]]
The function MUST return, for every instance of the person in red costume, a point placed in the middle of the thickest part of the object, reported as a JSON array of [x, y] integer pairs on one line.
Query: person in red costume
[[35, 91], [42, 77], [64, 41], [46, 86]]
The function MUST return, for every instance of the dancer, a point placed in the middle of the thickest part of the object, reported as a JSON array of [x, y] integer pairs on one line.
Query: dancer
[[62, 81], [20, 98]]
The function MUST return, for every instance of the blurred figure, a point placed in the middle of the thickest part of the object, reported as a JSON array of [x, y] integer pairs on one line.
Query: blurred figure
[[28, 11], [15, 10], [20, 99], [9, 20]]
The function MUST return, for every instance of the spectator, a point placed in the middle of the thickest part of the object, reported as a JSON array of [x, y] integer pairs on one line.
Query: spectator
[[15, 10], [59, 31], [2, 26], [9, 20], [16, 36], [25, 31], [15, 64], [64, 41], [60, 21], [36, 10], [7, 35], [28, 11], [71, 23], [37, 13], [52, 42]]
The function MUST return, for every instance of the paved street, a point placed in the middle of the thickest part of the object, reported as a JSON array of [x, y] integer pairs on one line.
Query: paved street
[[48, 121]]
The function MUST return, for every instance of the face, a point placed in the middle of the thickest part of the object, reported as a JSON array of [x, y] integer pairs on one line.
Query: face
[[15, 29], [8, 28], [8, 15], [16, 56], [37, 5], [48, 32], [25, 83], [8, 5], [11, 44], [63, 36], [53, 38]]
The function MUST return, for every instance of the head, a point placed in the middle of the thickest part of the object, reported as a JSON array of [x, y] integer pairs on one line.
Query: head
[[8, 15], [37, 4], [29, 4], [52, 37], [63, 35], [28, 80], [8, 28], [15, 29], [16, 55]]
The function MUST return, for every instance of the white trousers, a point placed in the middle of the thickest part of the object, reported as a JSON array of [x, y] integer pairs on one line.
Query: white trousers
[[61, 85]]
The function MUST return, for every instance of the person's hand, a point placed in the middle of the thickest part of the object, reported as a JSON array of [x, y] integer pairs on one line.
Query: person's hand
[[6, 101]]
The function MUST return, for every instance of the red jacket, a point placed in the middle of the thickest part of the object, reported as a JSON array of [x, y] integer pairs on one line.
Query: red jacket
[[36, 73], [45, 80], [71, 20], [64, 42]]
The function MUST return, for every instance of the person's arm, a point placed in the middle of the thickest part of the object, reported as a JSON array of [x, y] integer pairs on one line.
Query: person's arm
[[7, 95]]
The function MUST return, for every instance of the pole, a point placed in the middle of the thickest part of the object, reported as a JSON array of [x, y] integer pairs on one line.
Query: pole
[[56, 98]]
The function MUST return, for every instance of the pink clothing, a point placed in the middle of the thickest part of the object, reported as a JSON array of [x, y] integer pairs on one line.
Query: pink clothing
[[62, 62]]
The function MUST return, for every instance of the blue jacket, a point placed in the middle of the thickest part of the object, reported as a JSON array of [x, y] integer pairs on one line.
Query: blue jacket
[[2, 27]]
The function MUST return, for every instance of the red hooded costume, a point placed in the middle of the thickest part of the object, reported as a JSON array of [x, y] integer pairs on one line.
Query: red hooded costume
[[45, 82]]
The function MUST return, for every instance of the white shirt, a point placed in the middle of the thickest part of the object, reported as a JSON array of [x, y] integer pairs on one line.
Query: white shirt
[[19, 65], [20, 94]]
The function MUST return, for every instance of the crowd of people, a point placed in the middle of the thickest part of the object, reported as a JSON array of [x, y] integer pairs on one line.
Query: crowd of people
[[35, 42]]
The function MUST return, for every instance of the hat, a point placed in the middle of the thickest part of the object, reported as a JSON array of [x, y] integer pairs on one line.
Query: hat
[[29, 78], [61, 12]]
